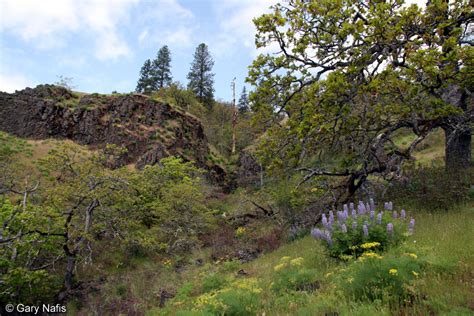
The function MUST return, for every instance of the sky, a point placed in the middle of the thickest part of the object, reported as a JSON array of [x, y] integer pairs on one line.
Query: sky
[[102, 44]]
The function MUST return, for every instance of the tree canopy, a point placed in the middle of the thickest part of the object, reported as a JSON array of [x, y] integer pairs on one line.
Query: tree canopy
[[351, 75]]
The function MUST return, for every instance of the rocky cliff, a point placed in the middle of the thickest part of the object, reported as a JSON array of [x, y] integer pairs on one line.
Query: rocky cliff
[[149, 129]]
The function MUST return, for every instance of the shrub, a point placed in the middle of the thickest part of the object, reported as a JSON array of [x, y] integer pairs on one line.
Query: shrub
[[354, 231], [375, 277], [291, 275], [213, 282]]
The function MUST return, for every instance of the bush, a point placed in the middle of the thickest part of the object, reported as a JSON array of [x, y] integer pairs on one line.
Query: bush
[[373, 277], [291, 275], [213, 282], [349, 236]]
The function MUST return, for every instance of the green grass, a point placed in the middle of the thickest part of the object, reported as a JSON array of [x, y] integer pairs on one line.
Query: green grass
[[445, 239]]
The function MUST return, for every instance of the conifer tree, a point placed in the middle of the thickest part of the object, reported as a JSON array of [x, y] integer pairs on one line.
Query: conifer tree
[[162, 69], [244, 101], [200, 76], [145, 83]]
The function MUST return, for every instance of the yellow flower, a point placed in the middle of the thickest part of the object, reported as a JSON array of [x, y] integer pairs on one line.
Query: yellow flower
[[371, 254], [345, 257], [240, 231], [353, 247], [297, 262], [369, 245], [285, 259], [413, 255], [350, 280], [279, 267], [393, 271], [415, 273]]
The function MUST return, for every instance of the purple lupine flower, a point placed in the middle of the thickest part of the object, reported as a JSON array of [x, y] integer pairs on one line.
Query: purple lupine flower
[[331, 217], [361, 208], [411, 226], [367, 207], [344, 228], [339, 216], [390, 229], [403, 214], [317, 233], [366, 230], [324, 220], [372, 215], [346, 208], [346, 214], [328, 238], [395, 214], [354, 214], [351, 207], [385, 206], [379, 218], [354, 225], [390, 206], [372, 204]]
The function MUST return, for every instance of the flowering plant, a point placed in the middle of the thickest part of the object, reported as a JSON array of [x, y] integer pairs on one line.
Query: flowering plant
[[350, 232]]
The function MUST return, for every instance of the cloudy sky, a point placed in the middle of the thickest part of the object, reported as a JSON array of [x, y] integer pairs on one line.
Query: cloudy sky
[[102, 44]]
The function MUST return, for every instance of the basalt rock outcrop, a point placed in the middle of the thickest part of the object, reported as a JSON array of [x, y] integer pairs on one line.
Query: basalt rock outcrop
[[149, 129]]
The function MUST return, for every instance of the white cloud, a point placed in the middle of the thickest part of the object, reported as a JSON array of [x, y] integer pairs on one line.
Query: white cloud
[[172, 24], [48, 23], [236, 23], [10, 83]]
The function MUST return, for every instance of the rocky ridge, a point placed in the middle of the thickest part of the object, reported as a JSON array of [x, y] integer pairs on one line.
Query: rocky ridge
[[147, 128]]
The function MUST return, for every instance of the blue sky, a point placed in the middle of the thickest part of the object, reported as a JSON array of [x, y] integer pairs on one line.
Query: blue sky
[[103, 44]]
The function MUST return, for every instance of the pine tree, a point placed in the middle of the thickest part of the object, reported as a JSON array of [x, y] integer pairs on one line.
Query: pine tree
[[161, 69], [244, 104], [201, 79], [145, 82]]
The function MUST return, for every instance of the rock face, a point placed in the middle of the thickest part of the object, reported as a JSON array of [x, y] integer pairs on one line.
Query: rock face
[[150, 130]]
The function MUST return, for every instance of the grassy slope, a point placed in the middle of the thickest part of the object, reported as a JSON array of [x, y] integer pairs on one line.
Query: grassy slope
[[446, 238]]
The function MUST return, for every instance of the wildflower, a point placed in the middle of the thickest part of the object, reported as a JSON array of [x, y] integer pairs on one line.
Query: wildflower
[[393, 271], [390, 206], [354, 214], [411, 226], [415, 273], [324, 220], [351, 206], [331, 219], [350, 280], [395, 214], [372, 215], [285, 259], [279, 267], [369, 245], [240, 231], [372, 204], [345, 257], [403, 214], [371, 254], [346, 208], [367, 207], [353, 247], [413, 255], [344, 228], [390, 229], [354, 225], [379, 218], [361, 208], [366, 230], [296, 262]]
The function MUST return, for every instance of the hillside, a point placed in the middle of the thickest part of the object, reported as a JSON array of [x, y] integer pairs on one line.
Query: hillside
[[148, 129]]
